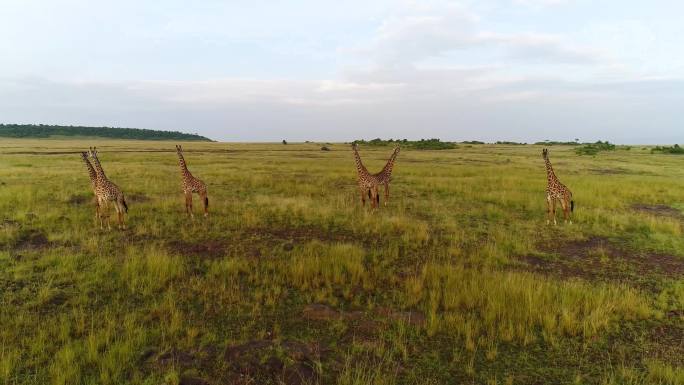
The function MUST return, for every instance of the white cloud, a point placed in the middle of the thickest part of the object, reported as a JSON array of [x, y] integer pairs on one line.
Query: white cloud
[[540, 3]]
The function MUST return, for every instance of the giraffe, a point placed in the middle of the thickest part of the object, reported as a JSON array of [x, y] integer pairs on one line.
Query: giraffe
[[369, 183], [555, 190], [93, 180], [385, 176], [107, 191], [191, 185]]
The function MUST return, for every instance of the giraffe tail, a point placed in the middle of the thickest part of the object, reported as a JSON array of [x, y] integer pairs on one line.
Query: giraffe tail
[[123, 201], [572, 206], [206, 201]]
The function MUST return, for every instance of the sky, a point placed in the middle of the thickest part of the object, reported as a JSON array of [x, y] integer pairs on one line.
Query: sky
[[518, 70]]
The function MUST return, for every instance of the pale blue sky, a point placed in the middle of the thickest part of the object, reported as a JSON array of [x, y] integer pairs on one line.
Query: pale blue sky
[[523, 70]]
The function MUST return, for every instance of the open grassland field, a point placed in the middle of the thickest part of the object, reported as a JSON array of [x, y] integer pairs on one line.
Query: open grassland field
[[289, 280]]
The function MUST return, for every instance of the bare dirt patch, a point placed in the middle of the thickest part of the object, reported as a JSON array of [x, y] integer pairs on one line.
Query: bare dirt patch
[[360, 325], [80, 200], [258, 361], [299, 234], [32, 240], [414, 318], [190, 380], [600, 259], [658, 210], [668, 344], [138, 198], [608, 171], [319, 312], [214, 248]]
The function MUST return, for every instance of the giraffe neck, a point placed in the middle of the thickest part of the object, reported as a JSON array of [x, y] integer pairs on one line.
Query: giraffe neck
[[387, 170], [360, 168], [91, 170], [550, 175], [183, 166], [99, 172]]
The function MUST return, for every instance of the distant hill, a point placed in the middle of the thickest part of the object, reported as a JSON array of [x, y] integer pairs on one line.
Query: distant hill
[[46, 131]]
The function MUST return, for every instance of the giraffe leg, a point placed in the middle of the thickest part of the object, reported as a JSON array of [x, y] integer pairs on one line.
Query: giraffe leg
[[375, 199], [553, 211], [122, 218], [564, 206], [122, 225], [109, 220], [118, 215], [205, 203], [386, 193], [101, 212], [548, 210], [363, 196], [188, 204]]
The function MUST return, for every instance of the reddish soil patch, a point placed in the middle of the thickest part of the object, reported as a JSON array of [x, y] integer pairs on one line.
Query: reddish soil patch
[[208, 249], [598, 258], [319, 312], [658, 210]]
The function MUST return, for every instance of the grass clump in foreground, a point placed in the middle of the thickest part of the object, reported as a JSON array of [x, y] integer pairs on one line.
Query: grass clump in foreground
[[457, 280]]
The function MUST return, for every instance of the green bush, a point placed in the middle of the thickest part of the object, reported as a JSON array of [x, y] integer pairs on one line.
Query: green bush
[[595, 148], [423, 144], [676, 149]]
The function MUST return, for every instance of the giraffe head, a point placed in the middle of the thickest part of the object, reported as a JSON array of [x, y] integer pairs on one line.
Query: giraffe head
[[179, 148], [545, 153], [92, 152]]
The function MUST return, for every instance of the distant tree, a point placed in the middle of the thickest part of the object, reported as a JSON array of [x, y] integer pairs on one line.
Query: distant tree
[[284, 141]]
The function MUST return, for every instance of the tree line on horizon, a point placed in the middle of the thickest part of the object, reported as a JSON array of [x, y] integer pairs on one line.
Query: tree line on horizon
[[47, 131]]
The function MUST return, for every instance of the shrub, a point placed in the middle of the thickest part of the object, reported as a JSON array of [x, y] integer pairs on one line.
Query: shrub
[[423, 144], [595, 148], [676, 149]]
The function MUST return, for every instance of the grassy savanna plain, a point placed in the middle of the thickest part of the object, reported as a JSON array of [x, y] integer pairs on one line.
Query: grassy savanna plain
[[457, 280]]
